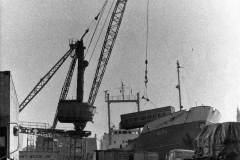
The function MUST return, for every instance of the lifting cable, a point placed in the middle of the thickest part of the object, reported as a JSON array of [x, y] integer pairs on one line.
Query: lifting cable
[[146, 57], [101, 30], [97, 18], [91, 23]]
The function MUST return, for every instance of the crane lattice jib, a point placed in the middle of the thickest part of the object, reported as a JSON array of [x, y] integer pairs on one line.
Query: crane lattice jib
[[108, 44], [65, 88], [68, 80], [43, 81]]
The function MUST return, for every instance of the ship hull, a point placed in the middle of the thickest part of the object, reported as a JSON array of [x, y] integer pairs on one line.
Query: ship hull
[[175, 131], [164, 139]]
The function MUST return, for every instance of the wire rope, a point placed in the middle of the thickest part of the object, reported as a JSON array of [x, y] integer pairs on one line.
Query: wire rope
[[101, 31], [98, 19], [146, 55]]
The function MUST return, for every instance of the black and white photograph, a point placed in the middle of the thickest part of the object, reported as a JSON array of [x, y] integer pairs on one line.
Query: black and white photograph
[[119, 79]]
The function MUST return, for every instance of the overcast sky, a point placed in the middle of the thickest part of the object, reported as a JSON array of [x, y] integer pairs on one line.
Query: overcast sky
[[203, 35]]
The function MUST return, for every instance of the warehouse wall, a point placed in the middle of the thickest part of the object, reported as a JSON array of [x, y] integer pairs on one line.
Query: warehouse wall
[[8, 115]]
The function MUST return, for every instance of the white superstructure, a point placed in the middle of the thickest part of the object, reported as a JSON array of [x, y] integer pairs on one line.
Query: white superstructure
[[118, 138]]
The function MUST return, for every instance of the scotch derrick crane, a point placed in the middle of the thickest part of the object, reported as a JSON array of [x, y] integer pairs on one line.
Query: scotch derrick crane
[[110, 37]]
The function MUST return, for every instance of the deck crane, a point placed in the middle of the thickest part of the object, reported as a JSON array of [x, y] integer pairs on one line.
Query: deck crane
[[78, 107]]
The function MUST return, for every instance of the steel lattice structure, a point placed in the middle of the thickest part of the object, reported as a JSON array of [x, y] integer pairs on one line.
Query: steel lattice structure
[[43, 81], [65, 88], [110, 37]]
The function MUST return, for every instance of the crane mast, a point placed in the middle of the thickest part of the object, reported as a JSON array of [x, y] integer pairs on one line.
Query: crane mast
[[82, 64], [110, 37]]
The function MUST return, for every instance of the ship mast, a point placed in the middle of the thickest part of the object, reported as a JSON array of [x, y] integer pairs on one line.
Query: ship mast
[[179, 86]]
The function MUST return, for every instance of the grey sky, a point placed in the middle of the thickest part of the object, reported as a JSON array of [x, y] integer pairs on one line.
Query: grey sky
[[204, 35]]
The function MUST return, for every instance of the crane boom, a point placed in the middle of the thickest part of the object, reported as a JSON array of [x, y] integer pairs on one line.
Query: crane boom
[[65, 88], [110, 37], [43, 81], [68, 79]]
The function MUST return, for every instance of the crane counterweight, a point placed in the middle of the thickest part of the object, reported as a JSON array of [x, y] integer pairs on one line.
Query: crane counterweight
[[73, 111]]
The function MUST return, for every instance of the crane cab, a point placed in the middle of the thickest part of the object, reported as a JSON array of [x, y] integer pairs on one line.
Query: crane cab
[[73, 111]]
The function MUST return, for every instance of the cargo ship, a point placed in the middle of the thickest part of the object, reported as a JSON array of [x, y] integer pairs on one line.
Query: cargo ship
[[165, 129], [176, 130]]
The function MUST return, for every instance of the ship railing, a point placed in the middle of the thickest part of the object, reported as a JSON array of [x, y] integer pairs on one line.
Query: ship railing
[[123, 97], [34, 124]]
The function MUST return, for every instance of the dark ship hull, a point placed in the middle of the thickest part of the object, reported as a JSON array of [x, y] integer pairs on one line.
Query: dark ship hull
[[175, 131]]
